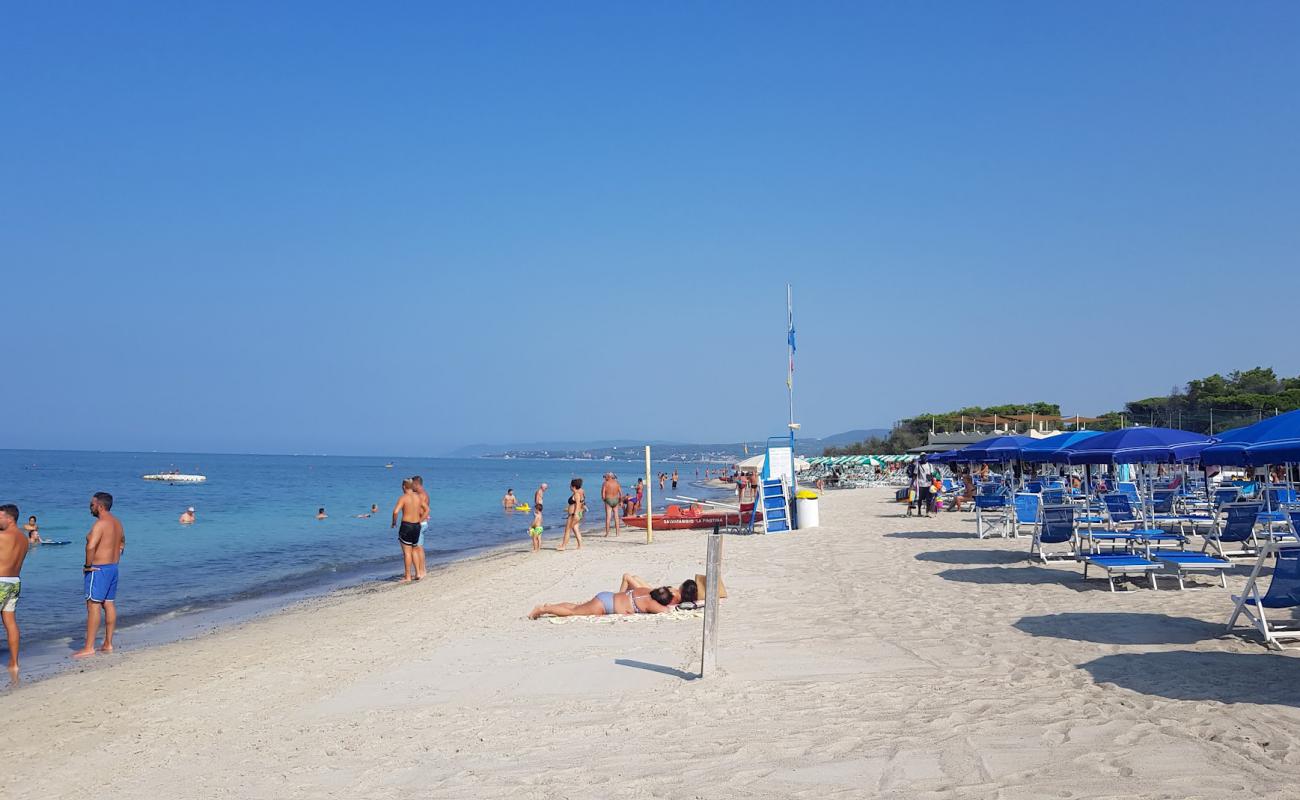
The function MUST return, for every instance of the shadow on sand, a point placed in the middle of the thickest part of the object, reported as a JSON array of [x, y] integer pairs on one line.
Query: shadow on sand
[[1261, 677], [974, 557], [1116, 627], [929, 535], [661, 669], [1029, 575]]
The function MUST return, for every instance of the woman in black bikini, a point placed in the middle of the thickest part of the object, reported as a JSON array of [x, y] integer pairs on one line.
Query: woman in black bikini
[[577, 506]]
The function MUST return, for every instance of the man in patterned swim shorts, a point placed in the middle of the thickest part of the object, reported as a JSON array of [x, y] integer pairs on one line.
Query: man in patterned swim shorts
[[13, 550]]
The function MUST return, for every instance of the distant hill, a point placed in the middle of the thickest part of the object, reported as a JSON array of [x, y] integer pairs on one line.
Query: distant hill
[[849, 437], [677, 451], [476, 450]]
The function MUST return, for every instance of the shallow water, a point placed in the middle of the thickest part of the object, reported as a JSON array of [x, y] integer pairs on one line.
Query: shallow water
[[256, 539]]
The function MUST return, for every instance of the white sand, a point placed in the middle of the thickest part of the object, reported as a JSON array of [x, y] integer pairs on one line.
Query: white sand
[[876, 656]]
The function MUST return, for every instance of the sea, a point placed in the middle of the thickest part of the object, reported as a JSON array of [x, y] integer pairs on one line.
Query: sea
[[256, 544]]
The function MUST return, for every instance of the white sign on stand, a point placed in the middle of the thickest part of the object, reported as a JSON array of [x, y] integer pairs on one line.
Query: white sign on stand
[[779, 464]]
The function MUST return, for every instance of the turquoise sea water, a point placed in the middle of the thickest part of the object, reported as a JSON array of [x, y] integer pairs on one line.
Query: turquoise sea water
[[256, 536]]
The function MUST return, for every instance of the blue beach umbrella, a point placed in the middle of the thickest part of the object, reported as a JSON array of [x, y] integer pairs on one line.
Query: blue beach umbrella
[[998, 448], [1275, 440], [1137, 446], [946, 457], [1048, 450]]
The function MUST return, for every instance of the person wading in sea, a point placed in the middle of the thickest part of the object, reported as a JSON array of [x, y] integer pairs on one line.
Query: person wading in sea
[[104, 546]]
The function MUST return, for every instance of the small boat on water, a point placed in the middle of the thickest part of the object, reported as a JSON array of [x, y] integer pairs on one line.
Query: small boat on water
[[694, 518], [389, 465], [175, 477]]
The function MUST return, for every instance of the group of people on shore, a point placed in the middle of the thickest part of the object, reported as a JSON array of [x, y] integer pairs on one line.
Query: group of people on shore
[[617, 502], [105, 544]]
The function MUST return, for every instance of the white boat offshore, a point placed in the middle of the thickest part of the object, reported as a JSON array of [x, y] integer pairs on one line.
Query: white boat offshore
[[175, 477]]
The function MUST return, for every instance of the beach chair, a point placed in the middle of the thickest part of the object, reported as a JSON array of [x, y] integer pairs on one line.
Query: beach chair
[[1162, 502], [1237, 527], [1026, 511], [1053, 496], [1129, 490], [1121, 564], [1055, 526], [1223, 496], [1273, 517], [1283, 592], [1180, 564], [992, 515], [1121, 517]]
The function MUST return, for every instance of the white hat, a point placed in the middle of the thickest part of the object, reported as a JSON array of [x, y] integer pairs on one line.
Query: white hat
[[190, 509]]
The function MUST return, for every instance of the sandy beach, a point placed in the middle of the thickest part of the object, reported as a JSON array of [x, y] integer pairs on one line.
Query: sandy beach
[[875, 656]]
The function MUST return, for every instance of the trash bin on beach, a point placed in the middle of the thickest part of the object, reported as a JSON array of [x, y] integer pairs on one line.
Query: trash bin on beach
[[805, 509]]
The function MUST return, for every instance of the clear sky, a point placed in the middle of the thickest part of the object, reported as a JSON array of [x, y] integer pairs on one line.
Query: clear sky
[[398, 228]]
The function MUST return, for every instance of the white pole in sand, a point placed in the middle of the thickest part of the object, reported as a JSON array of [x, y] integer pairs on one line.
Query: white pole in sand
[[649, 502], [712, 579]]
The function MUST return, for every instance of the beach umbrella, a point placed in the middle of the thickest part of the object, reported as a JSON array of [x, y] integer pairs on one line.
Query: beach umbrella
[[1137, 446], [946, 457], [1048, 450], [997, 448], [1275, 440]]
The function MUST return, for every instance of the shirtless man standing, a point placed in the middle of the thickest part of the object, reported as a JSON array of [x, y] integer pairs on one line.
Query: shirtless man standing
[[612, 494], [417, 484], [13, 549], [104, 546], [411, 510]]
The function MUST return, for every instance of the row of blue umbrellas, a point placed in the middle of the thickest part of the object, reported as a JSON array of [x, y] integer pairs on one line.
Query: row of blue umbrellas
[[1275, 440]]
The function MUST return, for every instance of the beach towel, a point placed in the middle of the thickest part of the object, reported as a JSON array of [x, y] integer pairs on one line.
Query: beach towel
[[615, 619]]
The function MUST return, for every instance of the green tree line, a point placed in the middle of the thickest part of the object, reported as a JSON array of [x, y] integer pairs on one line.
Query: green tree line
[[1206, 405]]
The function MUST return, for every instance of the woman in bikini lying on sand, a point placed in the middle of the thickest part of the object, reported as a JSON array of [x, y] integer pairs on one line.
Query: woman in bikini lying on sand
[[634, 596], [688, 592], [657, 602]]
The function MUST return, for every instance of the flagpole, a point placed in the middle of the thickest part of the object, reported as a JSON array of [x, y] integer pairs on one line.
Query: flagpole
[[789, 346]]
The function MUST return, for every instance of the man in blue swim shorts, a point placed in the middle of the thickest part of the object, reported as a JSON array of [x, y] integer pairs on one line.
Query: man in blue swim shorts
[[104, 546]]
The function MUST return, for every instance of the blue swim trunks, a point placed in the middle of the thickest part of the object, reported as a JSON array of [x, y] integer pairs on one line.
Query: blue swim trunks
[[101, 583], [424, 526]]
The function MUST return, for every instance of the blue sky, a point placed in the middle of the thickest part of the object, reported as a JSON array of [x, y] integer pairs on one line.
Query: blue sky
[[398, 228]]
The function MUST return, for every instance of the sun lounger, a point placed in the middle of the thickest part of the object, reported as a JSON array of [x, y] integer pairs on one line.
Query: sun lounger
[[1026, 512], [992, 515], [1283, 592], [1121, 518], [1236, 528], [1179, 564], [1121, 564], [1055, 526]]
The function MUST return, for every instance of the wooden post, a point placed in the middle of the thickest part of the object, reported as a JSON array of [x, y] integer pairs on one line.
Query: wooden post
[[649, 502], [712, 579]]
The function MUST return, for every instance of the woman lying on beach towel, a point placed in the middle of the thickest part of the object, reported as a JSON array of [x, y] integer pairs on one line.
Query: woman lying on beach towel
[[656, 601], [688, 592]]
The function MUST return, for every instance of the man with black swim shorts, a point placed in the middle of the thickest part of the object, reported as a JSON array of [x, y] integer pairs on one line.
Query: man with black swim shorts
[[410, 511]]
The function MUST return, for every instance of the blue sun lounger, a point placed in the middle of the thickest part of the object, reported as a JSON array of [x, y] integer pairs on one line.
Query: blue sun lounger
[[1121, 516], [1121, 564], [992, 515], [1283, 592], [1055, 526], [1237, 528], [1026, 512], [1179, 564]]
